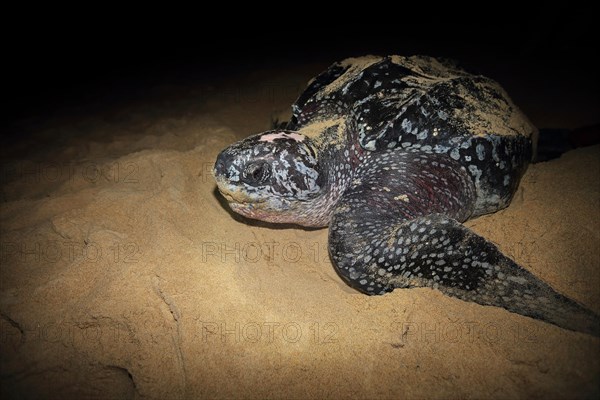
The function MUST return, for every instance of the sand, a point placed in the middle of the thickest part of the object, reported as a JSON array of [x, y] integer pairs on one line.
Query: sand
[[124, 275]]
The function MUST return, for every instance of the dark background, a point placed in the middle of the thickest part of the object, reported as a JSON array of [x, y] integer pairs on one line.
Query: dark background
[[103, 56]]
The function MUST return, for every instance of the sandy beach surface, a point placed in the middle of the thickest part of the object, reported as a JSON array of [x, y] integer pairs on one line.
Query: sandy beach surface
[[125, 275]]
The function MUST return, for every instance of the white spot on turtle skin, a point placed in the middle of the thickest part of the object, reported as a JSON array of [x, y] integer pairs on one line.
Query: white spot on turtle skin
[[476, 172], [455, 154], [480, 152], [233, 174], [506, 180], [406, 125], [270, 137], [518, 279]]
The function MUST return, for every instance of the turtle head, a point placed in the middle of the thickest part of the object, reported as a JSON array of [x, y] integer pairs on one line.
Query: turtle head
[[273, 176]]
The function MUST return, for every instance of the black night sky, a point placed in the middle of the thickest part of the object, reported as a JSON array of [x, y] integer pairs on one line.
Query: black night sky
[[51, 64]]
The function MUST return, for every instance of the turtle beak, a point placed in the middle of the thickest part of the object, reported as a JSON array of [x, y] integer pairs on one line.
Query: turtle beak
[[227, 177]]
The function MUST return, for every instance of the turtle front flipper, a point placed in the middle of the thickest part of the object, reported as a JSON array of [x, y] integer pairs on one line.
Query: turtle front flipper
[[381, 238]]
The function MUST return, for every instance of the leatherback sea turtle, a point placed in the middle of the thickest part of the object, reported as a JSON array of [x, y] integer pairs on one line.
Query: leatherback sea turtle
[[393, 153]]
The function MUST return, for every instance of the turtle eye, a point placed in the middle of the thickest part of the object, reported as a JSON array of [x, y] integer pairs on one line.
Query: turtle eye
[[256, 172]]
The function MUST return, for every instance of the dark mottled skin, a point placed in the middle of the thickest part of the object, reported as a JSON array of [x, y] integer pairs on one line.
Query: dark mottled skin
[[393, 154]]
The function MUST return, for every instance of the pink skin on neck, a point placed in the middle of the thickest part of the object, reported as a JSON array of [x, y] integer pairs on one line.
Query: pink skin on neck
[[270, 137]]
